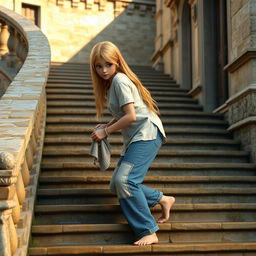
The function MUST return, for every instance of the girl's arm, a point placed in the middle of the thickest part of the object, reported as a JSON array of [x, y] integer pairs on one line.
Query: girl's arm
[[105, 125], [124, 121]]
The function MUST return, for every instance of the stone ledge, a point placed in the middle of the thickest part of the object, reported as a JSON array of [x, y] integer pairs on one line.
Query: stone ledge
[[224, 108], [246, 121], [246, 56]]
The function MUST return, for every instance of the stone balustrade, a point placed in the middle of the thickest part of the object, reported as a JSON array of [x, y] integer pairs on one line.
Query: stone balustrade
[[13, 51], [25, 60]]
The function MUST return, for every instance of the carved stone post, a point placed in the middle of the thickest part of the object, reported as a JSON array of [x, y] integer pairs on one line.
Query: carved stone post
[[12, 44], [4, 35], [8, 234]]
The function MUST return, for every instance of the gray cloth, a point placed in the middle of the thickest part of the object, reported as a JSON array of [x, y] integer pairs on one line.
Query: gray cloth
[[101, 153]]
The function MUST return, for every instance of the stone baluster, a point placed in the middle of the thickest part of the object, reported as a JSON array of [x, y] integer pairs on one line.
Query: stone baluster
[[4, 35], [8, 234], [12, 45], [20, 51]]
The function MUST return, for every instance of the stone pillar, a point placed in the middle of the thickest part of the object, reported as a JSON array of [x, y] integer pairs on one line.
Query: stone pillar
[[241, 105]]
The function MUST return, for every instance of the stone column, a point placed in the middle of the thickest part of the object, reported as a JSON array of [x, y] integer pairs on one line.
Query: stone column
[[240, 108]]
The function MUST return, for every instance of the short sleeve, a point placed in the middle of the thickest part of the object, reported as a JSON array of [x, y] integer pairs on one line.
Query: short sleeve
[[124, 93]]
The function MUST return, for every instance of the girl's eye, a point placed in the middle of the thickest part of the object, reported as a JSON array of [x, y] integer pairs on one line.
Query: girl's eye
[[98, 66], [109, 65]]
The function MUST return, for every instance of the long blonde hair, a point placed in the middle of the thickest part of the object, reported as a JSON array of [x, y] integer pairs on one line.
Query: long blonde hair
[[110, 53]]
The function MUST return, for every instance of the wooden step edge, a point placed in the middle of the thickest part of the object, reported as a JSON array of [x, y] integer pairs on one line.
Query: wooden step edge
[[176, 207], [150, 249], [182, 226]]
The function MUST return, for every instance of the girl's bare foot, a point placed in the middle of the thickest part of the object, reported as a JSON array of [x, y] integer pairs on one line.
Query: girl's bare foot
[[166, 203], [147, 240]]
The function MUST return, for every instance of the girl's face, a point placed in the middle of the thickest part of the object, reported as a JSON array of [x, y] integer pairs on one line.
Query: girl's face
[[104, 69]]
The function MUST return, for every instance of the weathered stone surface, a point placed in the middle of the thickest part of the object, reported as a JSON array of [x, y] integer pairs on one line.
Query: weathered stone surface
[[6, 161]]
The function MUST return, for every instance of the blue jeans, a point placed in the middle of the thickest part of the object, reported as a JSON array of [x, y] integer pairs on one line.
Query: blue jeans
[[135, 198]]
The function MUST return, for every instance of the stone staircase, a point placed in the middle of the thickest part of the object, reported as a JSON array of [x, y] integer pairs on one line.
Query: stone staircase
[[201, 165]]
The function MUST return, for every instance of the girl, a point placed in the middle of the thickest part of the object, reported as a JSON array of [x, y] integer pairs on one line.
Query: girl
[[135, 114]]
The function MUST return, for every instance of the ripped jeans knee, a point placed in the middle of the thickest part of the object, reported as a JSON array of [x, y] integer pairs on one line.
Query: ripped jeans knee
[[119, 183]]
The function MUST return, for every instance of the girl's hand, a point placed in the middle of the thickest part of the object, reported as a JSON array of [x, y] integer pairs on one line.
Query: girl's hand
[[98, 134], [100, 126]]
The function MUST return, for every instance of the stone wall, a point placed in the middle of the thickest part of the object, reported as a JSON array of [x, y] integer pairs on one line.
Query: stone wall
[[241, 106], [73, 27], [179, 51]]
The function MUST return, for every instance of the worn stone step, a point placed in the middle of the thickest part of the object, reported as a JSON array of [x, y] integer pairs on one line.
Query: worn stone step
[[166, 121], [147, 83], [156, 168], [87, 77], [183, 195], [60, 88], [192, 156], [86, 73], [111, 213], [90, 98], [177, 144], [172, 132], [82, 153], [62, 181], [164, 249], [50, 235], [91, 104], [164, 113]]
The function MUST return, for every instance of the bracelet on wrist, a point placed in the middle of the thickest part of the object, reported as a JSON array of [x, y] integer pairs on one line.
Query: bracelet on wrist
[[106, 131]]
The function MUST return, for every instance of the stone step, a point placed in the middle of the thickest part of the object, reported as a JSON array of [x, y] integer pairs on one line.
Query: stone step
[[70, 103], [171, 123], [166, 121], [87, 89], [168, 156], [183, 195], [111, 213], [85, 70], [62, 181], [164, 113], [157, 168], [81, 153], [196, 132], [170, 249], [172, 144], [147, 83], [88, 234], [90, 98], [170, 90], [87, 77]]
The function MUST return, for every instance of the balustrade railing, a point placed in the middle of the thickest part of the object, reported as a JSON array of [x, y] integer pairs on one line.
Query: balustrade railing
[[24, 63], [13, 52]]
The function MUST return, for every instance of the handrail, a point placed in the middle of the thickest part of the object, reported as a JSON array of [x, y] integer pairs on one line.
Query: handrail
[[25, 55]]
